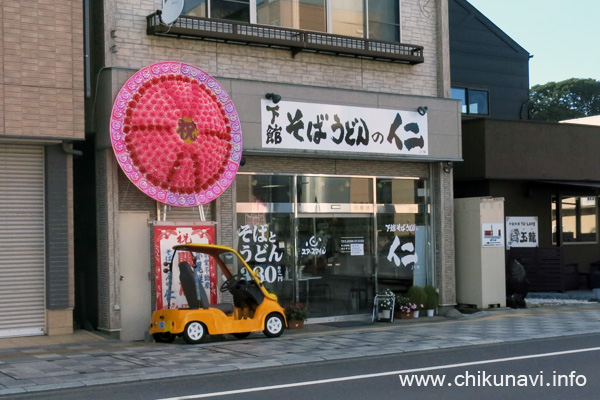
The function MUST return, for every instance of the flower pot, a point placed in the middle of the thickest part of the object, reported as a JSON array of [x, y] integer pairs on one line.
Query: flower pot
[[295, 324], [430, 313], [416, 314], [407, 315], [384, 314]]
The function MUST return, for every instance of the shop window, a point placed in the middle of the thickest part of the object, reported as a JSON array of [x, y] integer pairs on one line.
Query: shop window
[[334, 190], [264, 229], [402, 233], [337, 238], [264, 189], [578, 219], [265, 242], [473, 102], [401, 239], [400, 191]]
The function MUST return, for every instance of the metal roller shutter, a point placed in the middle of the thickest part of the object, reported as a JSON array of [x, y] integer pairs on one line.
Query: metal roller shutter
[[22, 241]]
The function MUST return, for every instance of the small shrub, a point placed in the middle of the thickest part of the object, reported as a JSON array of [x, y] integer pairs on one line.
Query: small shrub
[[417, 296], [296, 312], [432, 298]]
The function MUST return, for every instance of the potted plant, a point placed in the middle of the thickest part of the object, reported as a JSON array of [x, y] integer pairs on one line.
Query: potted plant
[[296, 314], [405, 308], [417, 296], [432, 300], [385, 305]]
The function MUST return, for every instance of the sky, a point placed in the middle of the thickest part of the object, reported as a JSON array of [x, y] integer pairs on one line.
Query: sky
[[562, 35]]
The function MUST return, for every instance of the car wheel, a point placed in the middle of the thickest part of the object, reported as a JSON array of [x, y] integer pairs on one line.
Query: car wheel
[[163, 337], [194, 332], [274, 325], [241, 335]]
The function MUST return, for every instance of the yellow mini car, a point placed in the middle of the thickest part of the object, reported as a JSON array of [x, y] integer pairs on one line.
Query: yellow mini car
[[254, 309]]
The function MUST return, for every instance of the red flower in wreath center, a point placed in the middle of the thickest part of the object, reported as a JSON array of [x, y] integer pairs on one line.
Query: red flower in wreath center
[[187, 130]]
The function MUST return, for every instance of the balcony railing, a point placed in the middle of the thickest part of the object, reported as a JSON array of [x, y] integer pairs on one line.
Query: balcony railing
[[292, 39]]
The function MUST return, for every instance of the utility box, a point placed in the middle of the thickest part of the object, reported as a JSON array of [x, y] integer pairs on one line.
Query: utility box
[[480, 265]]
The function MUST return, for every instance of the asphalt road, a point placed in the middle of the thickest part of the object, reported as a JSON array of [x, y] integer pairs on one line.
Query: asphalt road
[[557, 368]]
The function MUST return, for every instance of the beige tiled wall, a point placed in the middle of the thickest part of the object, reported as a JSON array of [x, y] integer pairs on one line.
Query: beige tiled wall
[[135, 49], [41, 56]]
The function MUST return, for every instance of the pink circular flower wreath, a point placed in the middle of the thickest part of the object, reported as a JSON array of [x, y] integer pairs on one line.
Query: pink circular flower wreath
[[176, 134]]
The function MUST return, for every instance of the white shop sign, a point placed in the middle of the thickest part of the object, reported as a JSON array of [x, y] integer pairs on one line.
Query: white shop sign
[[521, 232], [326, 127]]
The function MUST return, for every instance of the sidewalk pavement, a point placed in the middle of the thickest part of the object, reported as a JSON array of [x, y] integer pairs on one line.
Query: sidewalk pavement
[[44, 363]]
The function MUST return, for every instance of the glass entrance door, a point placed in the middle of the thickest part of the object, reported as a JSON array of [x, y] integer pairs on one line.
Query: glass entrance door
[[335, 264]]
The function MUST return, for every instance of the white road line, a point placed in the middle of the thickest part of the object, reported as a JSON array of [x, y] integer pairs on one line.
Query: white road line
[[377, 375]]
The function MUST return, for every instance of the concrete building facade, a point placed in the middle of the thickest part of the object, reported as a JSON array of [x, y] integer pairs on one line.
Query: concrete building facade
[[417, 188]]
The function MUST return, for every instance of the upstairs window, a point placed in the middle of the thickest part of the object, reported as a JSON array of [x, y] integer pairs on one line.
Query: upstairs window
[[369, 19], [195, 8], [384, 20], [347, 17], [233, 10], [298, 14], [473, 102]]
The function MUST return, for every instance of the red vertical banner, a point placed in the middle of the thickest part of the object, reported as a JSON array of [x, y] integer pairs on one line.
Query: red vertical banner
[[169, 293]]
